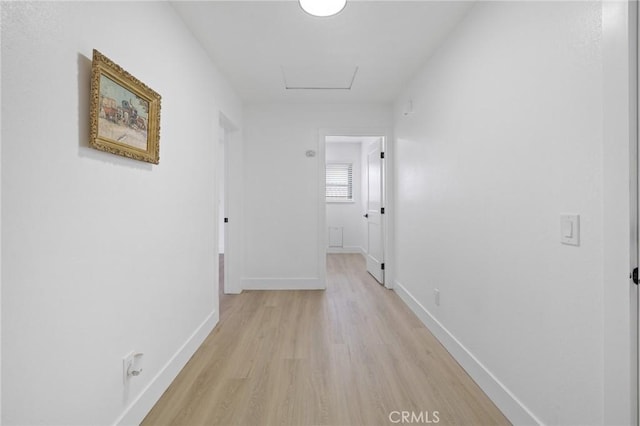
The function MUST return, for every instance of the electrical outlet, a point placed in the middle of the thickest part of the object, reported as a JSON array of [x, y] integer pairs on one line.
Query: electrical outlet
[[436, 296], [127, 364], [131, 366]]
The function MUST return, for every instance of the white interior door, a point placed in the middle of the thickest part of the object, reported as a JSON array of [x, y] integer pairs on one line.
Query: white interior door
[[375, 246], [223, 234]]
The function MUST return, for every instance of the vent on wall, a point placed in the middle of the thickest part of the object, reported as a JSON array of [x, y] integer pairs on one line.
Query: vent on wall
[[318, 77], [335, 236]]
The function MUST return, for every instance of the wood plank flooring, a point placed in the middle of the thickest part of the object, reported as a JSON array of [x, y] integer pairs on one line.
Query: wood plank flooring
[[353, 354]]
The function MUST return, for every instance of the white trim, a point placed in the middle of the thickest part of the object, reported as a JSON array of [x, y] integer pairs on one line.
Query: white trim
[[346, 250], [619, 294], [634, 41], [0, 255], [390, 211], [283, 284], [144, 402], [323, 238], [511, 407], [633, 145]]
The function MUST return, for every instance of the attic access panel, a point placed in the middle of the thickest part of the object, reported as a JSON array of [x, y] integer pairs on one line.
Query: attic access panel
[[318, 78]]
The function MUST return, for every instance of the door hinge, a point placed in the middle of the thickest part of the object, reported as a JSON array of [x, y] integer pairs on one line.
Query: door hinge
[[382, 210], [226, 220], [382, 266], [634, 276], [382, 155]]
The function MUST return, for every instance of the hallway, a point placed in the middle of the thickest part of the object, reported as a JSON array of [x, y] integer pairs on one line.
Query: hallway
[[351, 355]]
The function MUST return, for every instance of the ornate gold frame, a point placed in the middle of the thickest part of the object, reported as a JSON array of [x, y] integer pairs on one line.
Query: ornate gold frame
[[127, 121]]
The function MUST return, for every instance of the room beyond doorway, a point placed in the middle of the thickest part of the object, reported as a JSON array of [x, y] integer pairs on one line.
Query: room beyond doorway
[[355, 199]]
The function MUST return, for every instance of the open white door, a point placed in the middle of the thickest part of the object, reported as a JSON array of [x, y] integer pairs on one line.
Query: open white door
[[223, 204], [375, 246], [229, 228]]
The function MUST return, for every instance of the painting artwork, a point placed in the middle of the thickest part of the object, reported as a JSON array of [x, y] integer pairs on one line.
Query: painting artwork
[[125, 113]]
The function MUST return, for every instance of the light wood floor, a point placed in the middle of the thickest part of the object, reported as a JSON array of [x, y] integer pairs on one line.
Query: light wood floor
[[350, 355]]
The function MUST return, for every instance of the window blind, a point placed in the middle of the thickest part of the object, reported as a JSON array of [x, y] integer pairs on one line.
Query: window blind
[[339, 182]]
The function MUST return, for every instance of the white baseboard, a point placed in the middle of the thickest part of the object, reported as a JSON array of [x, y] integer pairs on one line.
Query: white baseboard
[[140, 407], [345, 250], [510, 406], [283, 284]]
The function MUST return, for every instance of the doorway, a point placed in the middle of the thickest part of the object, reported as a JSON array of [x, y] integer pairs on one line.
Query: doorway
[[222, 191], [354, 190], [228, 152]]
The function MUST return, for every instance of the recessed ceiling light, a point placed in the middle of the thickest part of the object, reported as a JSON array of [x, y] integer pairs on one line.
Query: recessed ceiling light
[[322, 7]]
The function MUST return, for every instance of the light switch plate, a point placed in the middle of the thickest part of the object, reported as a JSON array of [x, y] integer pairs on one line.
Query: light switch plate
[[570, 229]]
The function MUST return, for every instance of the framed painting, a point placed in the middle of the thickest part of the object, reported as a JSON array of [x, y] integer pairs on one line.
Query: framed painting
[[125, 113]]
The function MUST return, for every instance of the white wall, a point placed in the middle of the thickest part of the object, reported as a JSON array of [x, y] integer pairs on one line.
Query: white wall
[[282, 188], [101, 254], [506, 136], [347, 215]]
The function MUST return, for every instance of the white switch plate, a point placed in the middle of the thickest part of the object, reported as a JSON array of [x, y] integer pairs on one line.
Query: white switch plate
[[570, 229]]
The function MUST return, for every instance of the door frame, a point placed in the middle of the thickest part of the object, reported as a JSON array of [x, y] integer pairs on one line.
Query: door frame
[[619, 212], [222, 227], [231, 231], [387, 196], [634, 106], [634, 90]]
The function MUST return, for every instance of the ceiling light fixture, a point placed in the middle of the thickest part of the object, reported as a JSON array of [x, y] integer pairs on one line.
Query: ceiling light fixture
[[322, 7]]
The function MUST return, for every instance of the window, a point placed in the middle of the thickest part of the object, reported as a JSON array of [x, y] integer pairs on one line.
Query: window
[[339, 182]]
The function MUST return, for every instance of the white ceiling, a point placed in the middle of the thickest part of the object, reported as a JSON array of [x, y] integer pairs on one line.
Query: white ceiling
[[373, 47]]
